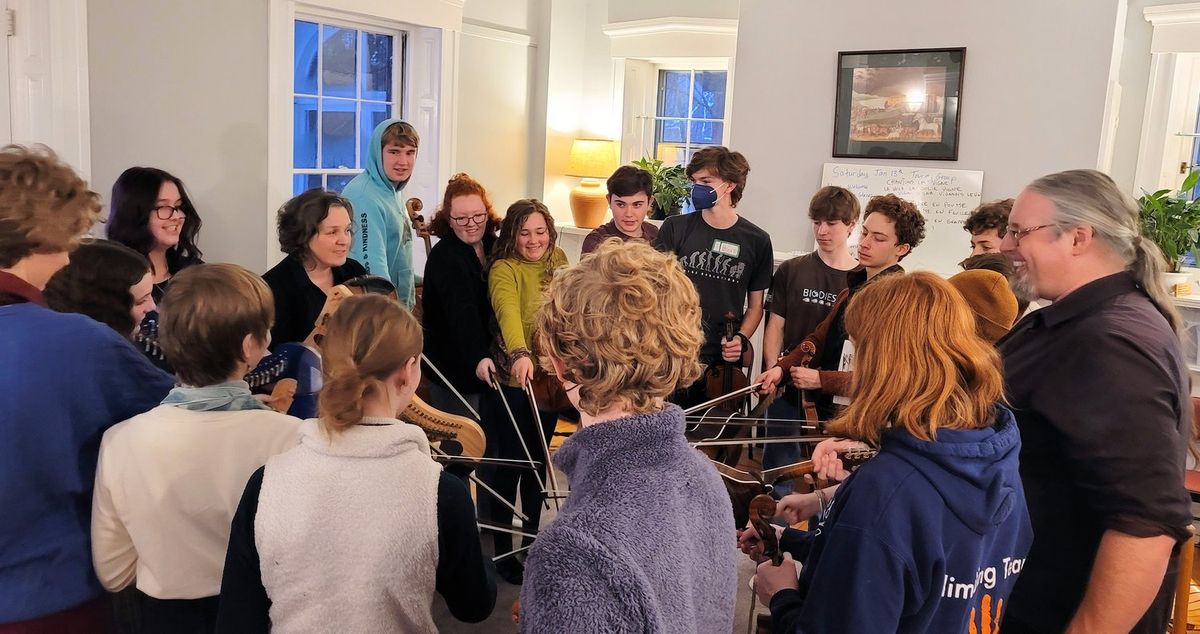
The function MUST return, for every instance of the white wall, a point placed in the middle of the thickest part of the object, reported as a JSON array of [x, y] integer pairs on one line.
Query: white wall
[[1033, 95], [628, 10], [496, 61], [1134, 79], [182, 86]]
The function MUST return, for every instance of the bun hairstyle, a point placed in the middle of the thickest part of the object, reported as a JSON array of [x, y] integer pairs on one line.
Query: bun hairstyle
[[368, 339]]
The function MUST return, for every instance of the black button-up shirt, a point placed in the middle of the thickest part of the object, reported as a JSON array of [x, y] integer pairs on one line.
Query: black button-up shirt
[[1100, 391]]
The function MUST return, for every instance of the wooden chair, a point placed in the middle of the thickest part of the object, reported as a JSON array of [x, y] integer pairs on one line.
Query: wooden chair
[[1183, 584]]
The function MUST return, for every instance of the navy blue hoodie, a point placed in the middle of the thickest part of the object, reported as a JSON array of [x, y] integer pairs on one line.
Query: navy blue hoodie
[[925, 537]]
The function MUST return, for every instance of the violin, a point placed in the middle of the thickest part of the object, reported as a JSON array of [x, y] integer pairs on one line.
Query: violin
[[420, 226], [720, 379], [762, 510], [744, 486]]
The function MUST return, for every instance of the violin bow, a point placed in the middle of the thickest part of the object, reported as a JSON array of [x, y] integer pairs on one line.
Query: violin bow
[[495, 383], [545, 445], [479, 482], [721, 399], [452, 388]]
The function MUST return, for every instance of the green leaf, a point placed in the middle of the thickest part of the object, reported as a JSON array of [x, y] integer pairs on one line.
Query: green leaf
[[1189, 183]]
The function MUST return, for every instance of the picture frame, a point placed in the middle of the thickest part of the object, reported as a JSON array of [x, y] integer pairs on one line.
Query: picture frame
[[899, 104]]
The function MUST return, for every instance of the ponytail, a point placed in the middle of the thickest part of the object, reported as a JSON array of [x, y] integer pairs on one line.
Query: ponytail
[[368, 339], [1147, 267]]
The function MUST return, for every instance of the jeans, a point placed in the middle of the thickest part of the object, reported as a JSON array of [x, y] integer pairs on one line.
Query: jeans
[[781, 421]]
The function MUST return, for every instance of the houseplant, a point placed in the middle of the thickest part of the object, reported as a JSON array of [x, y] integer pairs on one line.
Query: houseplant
[[670, 186], [1172, 221]]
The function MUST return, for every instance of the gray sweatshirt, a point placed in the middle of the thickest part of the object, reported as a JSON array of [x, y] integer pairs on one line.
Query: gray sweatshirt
[[644, 543]]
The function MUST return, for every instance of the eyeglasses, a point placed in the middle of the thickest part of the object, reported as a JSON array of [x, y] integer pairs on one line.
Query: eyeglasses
[[165, 212], [477, 219], [1017, 234]]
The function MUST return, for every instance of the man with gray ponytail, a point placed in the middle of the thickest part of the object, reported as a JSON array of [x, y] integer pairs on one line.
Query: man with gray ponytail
[[1100, 391]]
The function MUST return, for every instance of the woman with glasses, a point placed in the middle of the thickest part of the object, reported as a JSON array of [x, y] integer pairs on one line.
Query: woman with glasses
[[150, 212], [455, 298], [314, 232]]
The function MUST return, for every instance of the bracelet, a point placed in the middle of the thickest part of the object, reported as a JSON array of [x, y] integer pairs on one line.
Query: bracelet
[[519, 353], [823, 504]]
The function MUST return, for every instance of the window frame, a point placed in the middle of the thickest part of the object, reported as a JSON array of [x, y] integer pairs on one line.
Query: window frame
[[688, 147], [399, 102]]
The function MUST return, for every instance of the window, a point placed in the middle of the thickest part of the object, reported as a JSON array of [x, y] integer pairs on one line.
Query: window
[[690, 113], [346, 81]]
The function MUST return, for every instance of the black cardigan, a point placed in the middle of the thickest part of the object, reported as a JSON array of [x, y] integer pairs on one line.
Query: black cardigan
[[457, 312], [298, 301]]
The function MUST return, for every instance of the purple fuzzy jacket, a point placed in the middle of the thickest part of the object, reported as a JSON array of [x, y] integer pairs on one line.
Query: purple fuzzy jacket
[[643, 543]]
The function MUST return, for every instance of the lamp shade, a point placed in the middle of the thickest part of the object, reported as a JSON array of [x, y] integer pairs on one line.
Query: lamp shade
[[592, 158]]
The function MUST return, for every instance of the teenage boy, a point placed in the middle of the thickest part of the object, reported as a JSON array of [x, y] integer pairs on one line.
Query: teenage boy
[[630, 192], [64, 380], [892, 228], [727, 257], [987, 226], [385, 233], [802, 294]]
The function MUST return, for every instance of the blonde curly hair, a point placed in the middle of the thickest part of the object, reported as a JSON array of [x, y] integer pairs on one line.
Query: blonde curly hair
[[625, 323], [45, 206]]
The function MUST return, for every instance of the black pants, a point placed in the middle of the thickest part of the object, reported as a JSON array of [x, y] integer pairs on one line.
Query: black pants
[[179, 616], [507, 481]]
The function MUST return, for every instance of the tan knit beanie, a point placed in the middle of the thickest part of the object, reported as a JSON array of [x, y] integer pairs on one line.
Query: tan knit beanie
[[990, 298]]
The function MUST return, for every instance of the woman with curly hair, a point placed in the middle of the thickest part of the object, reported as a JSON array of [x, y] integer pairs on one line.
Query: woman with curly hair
[[455, 301], [151, 213], [622, 332], [524, 259], [315, 233], [64, 380]]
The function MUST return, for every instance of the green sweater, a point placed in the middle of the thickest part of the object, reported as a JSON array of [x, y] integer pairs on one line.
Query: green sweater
[[515, 288]]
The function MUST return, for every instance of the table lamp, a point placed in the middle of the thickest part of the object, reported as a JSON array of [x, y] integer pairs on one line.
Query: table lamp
[[590, 159]]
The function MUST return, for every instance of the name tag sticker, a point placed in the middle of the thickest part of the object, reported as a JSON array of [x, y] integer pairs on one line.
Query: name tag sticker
[[845, 364], [726, 248]]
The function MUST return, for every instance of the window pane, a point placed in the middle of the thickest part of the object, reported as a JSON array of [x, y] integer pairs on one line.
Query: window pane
[[376, 67], [338, 54], [304, 132], [708, 100], [673, 88], [304, 182], [670, 131], [337, 133], [373, 114], [707, 133], [305, 58], [338, 182]]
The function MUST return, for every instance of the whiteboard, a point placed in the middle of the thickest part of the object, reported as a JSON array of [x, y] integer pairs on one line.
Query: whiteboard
[[945, 197]]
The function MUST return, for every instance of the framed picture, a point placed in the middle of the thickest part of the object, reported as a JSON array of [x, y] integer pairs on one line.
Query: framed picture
[[898, 104]]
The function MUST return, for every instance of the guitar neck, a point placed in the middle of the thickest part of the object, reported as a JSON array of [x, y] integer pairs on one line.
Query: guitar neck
[[850, 460]]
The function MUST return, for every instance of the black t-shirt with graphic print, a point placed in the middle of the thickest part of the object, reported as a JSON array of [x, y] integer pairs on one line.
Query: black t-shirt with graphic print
[[724, 265], [802, 293]]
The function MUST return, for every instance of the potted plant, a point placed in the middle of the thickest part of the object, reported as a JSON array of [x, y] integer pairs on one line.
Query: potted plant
[[1173, 223], [670, 186]]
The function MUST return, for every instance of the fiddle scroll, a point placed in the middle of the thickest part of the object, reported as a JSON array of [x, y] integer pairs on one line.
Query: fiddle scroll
[[762, 509]]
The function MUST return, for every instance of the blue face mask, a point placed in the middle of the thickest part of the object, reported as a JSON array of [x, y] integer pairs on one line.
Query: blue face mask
[[702, 197]]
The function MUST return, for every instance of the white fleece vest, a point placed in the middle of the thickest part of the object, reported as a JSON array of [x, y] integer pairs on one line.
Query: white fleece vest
[[346, 531]]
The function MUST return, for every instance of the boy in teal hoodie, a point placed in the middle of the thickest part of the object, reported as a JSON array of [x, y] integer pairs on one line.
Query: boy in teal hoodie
[[384, 244]]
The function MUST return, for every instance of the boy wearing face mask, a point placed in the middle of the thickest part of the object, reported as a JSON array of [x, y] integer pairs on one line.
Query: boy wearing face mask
[[728, 258]]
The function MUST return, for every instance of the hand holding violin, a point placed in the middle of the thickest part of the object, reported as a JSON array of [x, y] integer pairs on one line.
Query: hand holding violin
[[805, 378], [751, 545], [769, 578], [731, 349]]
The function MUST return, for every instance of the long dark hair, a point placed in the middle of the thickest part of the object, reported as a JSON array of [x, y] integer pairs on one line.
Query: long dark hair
[[133, 199], [96, 283], [514, 219]]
